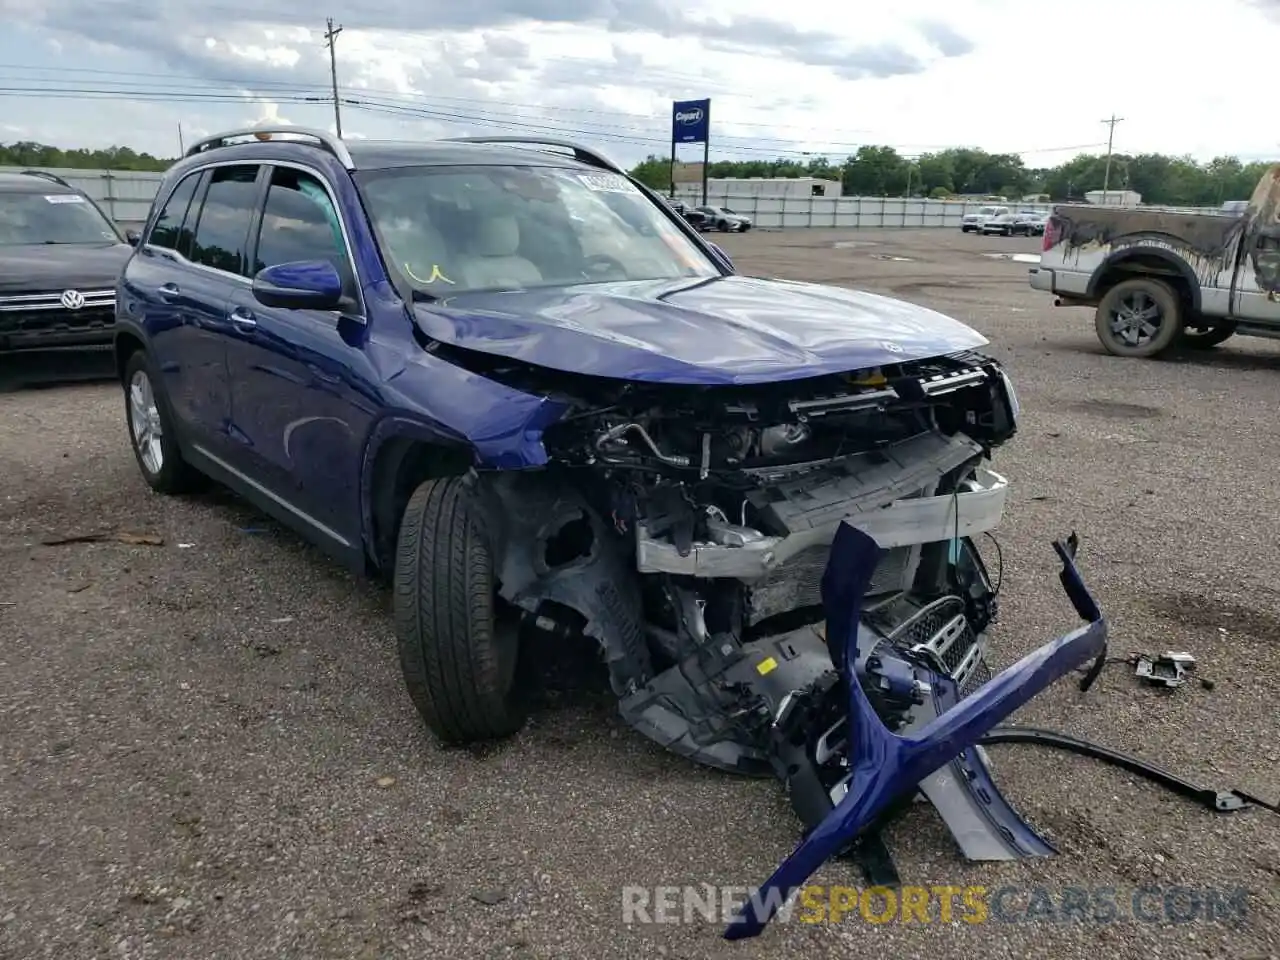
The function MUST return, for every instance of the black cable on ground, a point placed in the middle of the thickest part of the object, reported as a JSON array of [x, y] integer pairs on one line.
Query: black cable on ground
[[1221, 801]]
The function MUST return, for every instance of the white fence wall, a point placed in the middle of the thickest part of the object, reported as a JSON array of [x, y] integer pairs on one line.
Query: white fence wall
[[126, 197]]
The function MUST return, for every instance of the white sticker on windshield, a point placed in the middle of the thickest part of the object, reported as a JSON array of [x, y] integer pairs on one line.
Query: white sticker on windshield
[[65, 198], [607, 183]]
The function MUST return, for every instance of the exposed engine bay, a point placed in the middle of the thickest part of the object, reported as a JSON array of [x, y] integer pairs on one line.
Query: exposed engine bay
[[687, 529]]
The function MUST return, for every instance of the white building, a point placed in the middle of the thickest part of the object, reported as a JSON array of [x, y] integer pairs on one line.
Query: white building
[[1114, 198], [725, 190]]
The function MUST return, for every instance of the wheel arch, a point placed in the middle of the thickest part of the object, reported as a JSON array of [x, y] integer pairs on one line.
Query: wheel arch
[[1143, 260], [125, 344], [400, 454]]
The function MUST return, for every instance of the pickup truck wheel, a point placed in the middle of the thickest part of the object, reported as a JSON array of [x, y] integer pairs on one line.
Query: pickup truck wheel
[[1141, 317], [458, 645], [1208, 336]]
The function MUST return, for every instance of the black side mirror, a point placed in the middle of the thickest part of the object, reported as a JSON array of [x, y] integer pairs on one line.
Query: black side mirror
[[133, 236]]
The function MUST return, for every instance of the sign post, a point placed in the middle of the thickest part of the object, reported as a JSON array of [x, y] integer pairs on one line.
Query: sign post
[[691, 123]]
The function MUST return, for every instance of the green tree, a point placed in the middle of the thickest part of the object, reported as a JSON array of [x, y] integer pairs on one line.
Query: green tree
[[28, 154]]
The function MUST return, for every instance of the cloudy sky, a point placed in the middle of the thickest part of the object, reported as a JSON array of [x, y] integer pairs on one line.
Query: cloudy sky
[[1005, 75]]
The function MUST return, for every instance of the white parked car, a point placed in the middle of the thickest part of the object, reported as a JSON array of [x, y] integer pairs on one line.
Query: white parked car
[[974, 221]]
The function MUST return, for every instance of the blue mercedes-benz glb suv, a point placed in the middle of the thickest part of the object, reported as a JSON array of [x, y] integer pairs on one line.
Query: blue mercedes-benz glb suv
[[515, 382]]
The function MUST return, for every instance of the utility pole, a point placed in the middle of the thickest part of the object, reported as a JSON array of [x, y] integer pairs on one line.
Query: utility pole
[[182, 147], [1106, 176], [331, 34]]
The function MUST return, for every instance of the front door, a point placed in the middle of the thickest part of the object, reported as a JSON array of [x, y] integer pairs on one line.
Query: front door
[[301, 403]]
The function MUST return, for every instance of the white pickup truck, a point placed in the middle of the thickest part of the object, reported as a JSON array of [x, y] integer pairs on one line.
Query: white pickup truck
[[1160, 277]]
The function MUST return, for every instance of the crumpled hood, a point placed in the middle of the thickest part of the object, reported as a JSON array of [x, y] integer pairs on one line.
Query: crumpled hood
[[54, 267], [727, 330]]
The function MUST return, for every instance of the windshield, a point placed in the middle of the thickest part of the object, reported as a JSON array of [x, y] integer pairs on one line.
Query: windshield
[[32, 218], [989, 211], [449, 230]]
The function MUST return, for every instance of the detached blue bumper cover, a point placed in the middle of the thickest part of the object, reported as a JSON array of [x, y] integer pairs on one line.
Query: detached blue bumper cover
[[886, 766]]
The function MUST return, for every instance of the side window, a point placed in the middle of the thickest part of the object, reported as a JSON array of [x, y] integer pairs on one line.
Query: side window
[[168, 232], [223, 229], [300, 223]]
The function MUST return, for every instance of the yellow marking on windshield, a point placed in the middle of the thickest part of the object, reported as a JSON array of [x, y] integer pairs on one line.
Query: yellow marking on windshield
[[436, 274]]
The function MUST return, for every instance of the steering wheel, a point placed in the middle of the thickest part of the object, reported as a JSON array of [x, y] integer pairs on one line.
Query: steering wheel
[[602, 263]]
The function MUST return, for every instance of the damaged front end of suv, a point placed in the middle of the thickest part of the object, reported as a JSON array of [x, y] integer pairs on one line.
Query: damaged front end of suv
[[686, 529]]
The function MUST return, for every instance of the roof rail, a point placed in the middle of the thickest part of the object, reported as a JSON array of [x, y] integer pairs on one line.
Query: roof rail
[[45, 174], [325, 140], [580, 153]]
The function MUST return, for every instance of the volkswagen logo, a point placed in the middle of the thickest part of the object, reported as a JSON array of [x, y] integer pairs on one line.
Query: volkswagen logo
[[72, 299], [891, 346]]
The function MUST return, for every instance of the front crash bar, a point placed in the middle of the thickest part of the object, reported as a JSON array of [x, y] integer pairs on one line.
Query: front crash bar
[[885, 766]]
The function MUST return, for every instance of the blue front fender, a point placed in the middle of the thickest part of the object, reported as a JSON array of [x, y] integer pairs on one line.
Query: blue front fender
[[885, 766]]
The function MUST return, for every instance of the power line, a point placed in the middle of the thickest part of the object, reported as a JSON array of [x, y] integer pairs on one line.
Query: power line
[[331, 36], [414, 99], [200, 94]]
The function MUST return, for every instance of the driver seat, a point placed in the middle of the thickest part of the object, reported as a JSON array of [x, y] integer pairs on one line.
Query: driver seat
[[492, 260]]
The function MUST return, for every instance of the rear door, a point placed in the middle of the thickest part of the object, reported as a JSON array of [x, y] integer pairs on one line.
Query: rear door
[[217, 265], [302, 406], [1255, 287], [171, 294]]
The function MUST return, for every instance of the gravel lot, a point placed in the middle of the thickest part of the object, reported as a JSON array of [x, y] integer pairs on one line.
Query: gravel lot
[[206, 750]]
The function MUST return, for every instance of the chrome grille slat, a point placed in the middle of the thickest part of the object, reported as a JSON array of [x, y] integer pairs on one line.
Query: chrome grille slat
[[44, 302]]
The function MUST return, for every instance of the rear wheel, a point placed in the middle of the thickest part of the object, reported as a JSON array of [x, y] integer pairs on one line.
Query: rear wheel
[[1141, 317], [151, 433], [1205, 335], [458, 646]]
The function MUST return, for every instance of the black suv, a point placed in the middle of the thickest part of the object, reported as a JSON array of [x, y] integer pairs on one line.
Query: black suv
[[60, 257]]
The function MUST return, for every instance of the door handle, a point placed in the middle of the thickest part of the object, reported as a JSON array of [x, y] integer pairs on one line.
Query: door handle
[[167, 290], [242, 319]]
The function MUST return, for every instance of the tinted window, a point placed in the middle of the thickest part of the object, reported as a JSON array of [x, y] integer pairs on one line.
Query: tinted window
[[299, 223], [223, 229], [168, 230]]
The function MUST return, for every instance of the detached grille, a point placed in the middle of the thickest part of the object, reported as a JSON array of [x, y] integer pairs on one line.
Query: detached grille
[[942, 632], [36, 315]]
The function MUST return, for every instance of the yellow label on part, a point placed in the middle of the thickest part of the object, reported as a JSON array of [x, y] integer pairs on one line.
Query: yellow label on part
[[767, 665]]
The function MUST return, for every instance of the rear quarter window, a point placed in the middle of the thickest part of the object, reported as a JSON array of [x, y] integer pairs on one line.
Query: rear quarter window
[[167, 232]]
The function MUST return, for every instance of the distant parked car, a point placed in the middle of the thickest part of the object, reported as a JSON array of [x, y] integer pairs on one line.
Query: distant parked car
[[60, 256], [1030, 223], [1000, 223], [696, 218], [725, 220], [974, 221]]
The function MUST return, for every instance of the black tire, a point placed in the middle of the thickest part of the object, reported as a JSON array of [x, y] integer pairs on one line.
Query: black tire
[[458, 658], [723, 226], [1209, 337], [175, 475], [1127, 295]]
